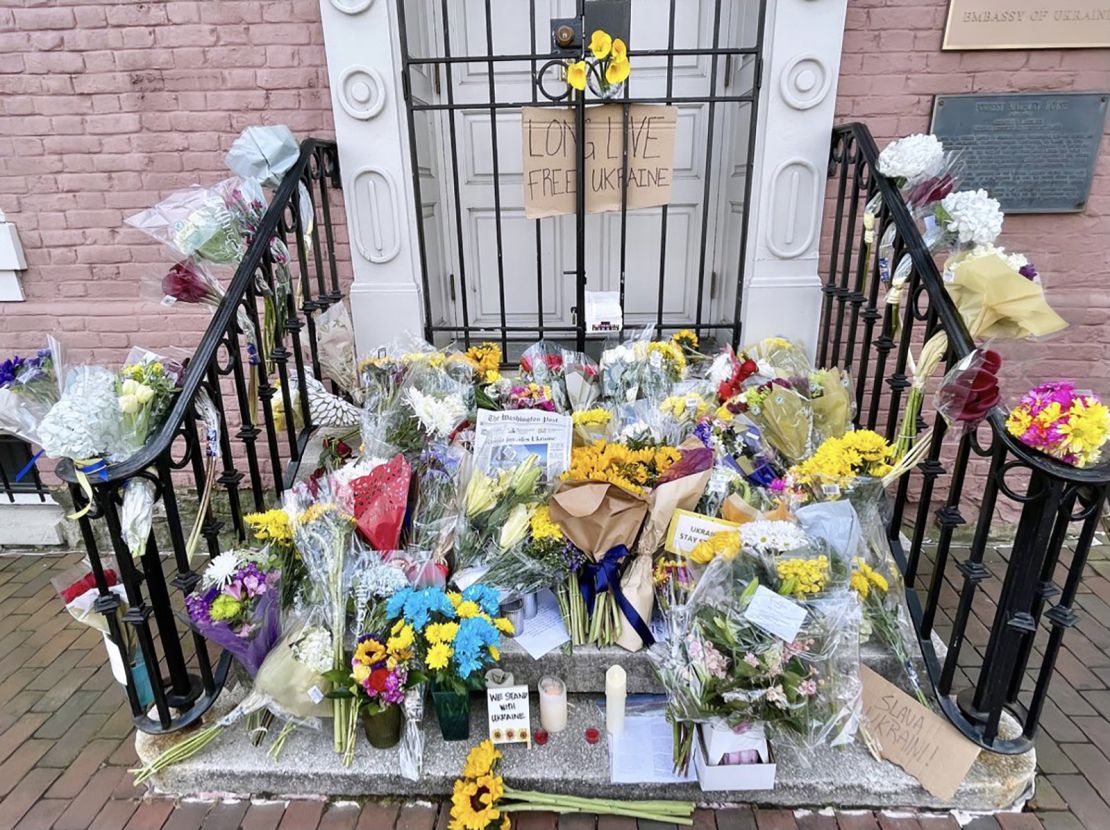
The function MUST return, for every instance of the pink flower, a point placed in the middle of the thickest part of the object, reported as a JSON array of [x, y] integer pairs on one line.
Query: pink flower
[[807, 688], [186, 285]]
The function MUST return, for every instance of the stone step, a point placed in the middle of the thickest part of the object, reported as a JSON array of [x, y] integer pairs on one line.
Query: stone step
[[583, 669], [845, 778]]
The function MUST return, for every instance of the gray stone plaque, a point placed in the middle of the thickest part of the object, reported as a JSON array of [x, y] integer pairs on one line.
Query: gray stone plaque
[[1034, 152]]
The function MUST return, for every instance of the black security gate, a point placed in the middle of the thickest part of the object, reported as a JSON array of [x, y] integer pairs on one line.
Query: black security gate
[[482, 290]]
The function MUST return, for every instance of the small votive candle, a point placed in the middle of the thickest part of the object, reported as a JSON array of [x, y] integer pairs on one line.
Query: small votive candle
[[616, 685], [553, 704]]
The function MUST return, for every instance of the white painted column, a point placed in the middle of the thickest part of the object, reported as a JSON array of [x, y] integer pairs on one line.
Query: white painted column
[[782, 289], [371, 129]]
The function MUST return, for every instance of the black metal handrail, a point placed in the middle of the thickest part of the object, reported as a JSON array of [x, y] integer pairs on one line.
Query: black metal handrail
[[859, 330], [184, 685]]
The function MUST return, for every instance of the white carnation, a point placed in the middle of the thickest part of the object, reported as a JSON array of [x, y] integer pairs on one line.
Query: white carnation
[[972, 216], [221, 570], [913, 158], [314, 649]]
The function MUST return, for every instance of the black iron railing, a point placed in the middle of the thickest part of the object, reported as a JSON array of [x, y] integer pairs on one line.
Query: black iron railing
[[986, 471], [18, 473], [186, 681]]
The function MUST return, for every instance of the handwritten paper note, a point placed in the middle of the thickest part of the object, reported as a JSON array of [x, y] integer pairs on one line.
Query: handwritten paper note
[[508, 713], [546, 631], [551, 154], [775, 614], [918, 740]]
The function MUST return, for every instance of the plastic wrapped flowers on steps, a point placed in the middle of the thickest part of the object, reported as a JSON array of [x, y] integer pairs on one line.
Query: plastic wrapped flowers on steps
[[727, 661], [289, 685]]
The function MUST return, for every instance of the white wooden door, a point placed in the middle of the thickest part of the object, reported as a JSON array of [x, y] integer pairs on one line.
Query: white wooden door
[[537, 259]]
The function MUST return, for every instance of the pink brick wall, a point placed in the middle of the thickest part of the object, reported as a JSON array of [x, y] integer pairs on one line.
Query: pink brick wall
[[108, 106], [892, 66]]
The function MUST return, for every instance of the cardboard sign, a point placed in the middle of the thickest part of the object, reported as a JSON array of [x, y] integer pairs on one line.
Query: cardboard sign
[[508, 713], [551, 153], [687, 529], [908, 734]]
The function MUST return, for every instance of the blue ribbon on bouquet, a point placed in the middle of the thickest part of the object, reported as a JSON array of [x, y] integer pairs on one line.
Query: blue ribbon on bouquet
[[27, 467], [595, 578]]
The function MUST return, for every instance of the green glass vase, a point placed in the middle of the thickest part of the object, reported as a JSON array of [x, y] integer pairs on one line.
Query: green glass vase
[[452, 712], [383, 729]]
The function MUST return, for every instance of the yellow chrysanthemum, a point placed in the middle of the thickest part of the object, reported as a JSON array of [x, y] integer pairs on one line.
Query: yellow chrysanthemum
[[543, 528], [400, 644], [1086, 429], [505, 626], [618, 71], [454, 597], [271, 526], [494, 653], [480, 760], [317, 511], [592, 417], [725, 544], [439, 655], [467, 609], [441, 632], [600, 44], [803, 577], [576, 75]]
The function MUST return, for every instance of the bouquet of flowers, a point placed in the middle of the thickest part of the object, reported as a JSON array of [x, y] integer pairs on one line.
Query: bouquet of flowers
[[431, 406], [728, 371], [455, 637], [782, 358], [784, 416], [335, 346], [663, 365], [968, 217], [840, 463], [608, 70], [497, 509], [236, 606], [545, 558], [29, 386], [580, 376], [434, 515], [832, 402], [720, 665], [1062, 422], [322, 533], [591, 425], [481, 801], [541, 365], [531, 396]]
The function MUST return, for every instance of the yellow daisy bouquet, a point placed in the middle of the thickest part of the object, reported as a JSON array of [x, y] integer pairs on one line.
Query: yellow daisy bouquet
[[480, 800], [841, 461], [608, 70]]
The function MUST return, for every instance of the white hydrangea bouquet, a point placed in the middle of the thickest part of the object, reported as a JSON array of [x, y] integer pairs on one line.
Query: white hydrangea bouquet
[[969, 217]]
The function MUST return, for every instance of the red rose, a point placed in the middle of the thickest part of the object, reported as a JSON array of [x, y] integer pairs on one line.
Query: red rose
[[970, 392], [377, 679]]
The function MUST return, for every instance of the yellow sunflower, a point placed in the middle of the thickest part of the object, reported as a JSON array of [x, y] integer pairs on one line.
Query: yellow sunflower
[[480, 760]]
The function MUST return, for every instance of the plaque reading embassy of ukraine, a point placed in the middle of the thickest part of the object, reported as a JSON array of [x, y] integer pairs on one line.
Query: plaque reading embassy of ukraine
[[1034, 152], [1027, 24]]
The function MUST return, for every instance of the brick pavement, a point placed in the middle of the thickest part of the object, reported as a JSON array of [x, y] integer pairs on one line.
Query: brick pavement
[[66, 740]]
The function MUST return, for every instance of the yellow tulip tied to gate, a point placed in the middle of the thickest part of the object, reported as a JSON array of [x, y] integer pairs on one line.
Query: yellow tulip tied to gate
[[609, 67]]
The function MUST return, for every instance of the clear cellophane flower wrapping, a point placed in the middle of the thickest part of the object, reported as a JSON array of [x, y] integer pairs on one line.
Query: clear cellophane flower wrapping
[[542, 363], [430, 405], [620, 367], [833, 401], [437, 472], [715, 664], [85, 423], [197, 222], [34, 386], [583, 380], [335, 345]]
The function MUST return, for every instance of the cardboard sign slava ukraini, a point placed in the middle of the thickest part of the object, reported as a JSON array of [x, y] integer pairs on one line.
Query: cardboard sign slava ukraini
[[551, 153]]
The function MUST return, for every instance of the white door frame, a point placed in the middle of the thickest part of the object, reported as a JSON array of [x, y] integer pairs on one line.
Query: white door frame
[[802, 45]]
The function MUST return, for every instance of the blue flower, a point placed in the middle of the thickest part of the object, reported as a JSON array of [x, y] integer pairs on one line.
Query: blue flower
[[418, 606], [487, 598]]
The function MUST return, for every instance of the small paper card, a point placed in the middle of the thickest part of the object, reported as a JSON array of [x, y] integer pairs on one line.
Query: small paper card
[[915, 738], [688, 528], [775, 614], [508, 711]]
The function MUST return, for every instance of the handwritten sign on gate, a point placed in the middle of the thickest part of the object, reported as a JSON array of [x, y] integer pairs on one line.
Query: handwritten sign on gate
[[915, 738], [551, 151]]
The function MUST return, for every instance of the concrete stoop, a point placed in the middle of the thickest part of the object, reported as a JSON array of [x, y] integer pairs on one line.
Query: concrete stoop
[[847, 778], [31, 523]]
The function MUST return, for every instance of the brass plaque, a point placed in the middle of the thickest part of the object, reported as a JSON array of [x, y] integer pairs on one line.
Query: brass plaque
[[1027, 24]]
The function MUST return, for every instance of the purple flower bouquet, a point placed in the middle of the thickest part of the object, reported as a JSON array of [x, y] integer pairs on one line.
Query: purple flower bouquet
[[237, 606]]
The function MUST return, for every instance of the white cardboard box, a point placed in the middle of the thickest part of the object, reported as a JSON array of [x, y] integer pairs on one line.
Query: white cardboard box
[[720, 739], [717, 777]]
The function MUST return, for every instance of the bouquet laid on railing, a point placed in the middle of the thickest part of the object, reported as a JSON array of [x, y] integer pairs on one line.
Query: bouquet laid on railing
[[1063, 422], [29, 387]]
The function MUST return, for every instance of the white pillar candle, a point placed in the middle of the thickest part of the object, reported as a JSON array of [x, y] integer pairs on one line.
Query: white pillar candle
[[553, 704], [616, 683]]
